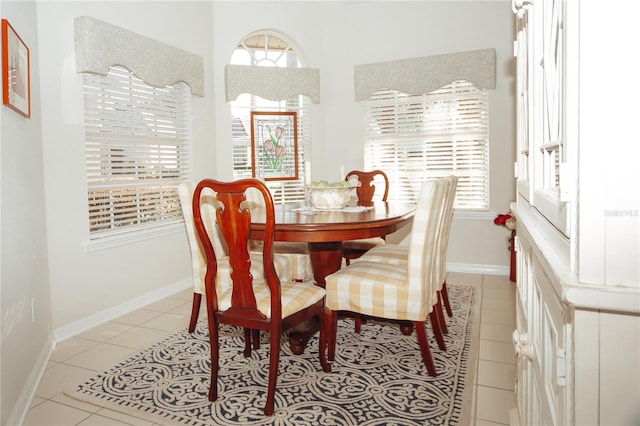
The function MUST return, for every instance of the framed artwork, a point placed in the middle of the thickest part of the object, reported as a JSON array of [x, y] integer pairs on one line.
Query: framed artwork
[[274, 145], [16, 84]]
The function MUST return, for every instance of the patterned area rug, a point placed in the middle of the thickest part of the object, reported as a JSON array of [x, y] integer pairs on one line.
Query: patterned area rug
[[378, 378]]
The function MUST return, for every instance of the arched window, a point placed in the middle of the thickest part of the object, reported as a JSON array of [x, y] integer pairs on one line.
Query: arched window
[[269, 49]]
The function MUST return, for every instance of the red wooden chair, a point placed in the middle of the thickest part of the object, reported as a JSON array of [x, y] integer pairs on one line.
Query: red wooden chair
[[288, 266], [252, 303]]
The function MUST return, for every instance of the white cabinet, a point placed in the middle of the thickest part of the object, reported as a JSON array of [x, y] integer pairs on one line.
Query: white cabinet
[[541, 343], [578, 244]]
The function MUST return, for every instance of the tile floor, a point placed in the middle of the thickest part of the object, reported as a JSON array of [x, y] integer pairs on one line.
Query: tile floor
[[77, 359]]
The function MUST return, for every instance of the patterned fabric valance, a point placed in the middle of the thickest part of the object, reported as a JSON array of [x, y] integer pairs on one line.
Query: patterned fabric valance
[[275, 84], [423, 75], [99, 45]]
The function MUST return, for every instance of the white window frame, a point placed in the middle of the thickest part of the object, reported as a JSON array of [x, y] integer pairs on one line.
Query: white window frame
[[150, 130], [276, 51], [544, 179], [417, 137]]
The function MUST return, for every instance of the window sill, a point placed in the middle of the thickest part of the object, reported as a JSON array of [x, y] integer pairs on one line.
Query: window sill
[[473, 215], [112, 241]]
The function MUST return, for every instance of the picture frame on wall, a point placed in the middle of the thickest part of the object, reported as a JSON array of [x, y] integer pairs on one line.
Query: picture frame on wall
[[274, 145], [16, 78]]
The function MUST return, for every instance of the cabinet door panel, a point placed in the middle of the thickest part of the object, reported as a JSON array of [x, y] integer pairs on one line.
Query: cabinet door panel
[[549, 373]]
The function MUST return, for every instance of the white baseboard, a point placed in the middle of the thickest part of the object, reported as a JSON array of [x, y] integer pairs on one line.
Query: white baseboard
[[473, 268], [21, 407], [94, 320]]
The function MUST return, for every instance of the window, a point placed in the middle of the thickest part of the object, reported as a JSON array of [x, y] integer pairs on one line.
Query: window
[[416, 137], [137, 152], [270, 50]]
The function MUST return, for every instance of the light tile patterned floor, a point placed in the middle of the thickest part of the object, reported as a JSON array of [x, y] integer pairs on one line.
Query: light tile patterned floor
[[79, 358]]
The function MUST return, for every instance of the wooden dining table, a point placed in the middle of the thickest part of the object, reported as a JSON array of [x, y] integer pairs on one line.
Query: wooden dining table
[[324, 231]]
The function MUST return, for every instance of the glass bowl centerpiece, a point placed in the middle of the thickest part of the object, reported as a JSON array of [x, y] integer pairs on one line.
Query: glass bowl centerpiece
[[330, 196]]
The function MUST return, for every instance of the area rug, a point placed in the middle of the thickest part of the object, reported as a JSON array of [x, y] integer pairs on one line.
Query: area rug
[[377, 378]]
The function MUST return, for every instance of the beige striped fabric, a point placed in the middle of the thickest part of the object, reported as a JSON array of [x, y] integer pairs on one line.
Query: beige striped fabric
[[296, 253], [295, 296], [198, 262], [444, 231], [403, 292], [300, 263], [395, 254]]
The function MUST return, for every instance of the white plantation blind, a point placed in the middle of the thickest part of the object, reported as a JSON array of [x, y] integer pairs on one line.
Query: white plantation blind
[[417, 137], [137, 152]]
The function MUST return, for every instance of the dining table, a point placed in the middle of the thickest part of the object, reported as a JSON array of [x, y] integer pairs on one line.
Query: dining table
[[324, 231]]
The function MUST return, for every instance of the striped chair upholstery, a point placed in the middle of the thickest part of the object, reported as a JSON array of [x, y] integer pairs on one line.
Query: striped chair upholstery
[[443, 246], [296, 253], [396, 254], [396, 292], [264, 303], [198, 262]]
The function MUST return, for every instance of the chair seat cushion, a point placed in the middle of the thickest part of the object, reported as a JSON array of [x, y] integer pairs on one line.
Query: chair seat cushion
[[377, 289], [295, 297], [300, 264], [389, 253], [296, 253]]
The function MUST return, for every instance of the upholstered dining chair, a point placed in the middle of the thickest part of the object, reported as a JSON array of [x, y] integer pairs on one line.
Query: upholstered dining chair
[[365, 191], [398, 254], [198, 262], [265, 303], [395, 292], [297, 253]]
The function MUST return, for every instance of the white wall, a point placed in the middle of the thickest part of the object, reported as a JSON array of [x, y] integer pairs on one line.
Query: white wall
[[88, 286], [24, 343], [336, 36]]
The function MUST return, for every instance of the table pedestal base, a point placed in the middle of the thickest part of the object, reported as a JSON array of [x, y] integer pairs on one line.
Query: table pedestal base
[[326, 258]]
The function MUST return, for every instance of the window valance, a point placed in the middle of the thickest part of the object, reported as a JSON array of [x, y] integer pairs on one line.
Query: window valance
[[423, 75], [99, 45], [271, 83]]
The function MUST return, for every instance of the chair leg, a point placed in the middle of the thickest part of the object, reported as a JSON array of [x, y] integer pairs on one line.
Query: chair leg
[[213, 343], [358, 324], [439, 309], [247, 342], [437, 331], [195, 309], [424, 348], [274, 359], [445, 299], [325, 332], [333, 325], [255, 337]]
